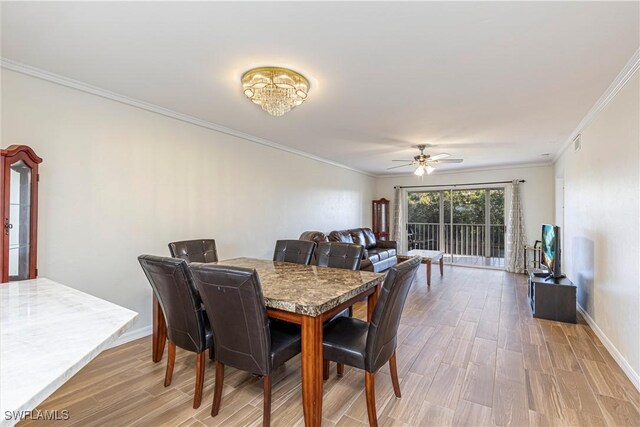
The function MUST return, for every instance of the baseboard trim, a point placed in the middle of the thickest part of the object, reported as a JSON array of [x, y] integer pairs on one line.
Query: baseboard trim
[[620, 360], [132, 336]]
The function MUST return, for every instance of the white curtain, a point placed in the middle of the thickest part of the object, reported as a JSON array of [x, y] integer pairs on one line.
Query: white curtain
[[516, 237], [398, 217]]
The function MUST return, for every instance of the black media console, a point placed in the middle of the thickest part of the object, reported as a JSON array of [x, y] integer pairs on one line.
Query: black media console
[[552, 299]]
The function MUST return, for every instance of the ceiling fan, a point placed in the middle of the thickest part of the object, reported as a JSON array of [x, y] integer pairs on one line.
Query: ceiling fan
[[426, 162]]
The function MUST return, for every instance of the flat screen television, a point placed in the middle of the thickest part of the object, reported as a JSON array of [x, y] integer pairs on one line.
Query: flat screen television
[[551, 256]]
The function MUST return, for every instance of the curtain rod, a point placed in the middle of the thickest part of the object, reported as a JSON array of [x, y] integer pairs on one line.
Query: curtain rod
[[457, 185]]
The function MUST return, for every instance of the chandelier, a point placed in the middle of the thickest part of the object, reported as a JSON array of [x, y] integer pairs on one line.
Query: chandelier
[[276, 90]]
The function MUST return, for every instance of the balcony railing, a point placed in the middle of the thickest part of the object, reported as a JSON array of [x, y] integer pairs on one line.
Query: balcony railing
[[467, 239]]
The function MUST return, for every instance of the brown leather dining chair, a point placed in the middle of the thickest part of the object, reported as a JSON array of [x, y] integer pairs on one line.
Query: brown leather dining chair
[[338, 255], [201, 250], [244, 338], [369, 346], [296, 251], [187, 323]]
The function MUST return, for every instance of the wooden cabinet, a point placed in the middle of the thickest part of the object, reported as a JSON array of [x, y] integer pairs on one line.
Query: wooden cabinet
[[19, 212], [552, 299], [380, 222]]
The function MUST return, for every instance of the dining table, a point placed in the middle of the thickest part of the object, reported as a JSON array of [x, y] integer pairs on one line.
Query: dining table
[[306, 295]]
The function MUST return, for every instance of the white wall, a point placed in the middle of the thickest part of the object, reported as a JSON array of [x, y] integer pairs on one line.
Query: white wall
[[601, 216], [537, 192], [117, 182]]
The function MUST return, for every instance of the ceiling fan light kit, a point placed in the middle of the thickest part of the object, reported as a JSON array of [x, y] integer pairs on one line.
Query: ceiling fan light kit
[[277, 90], [426, 162]]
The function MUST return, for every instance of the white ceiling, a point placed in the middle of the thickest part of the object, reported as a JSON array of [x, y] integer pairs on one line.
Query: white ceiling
[[494, 83]]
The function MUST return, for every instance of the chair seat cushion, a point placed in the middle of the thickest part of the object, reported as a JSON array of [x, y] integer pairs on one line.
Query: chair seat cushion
[[345, 340], [285, 342]]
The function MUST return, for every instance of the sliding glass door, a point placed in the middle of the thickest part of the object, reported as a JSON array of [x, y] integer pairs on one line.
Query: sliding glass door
[[467, 224]]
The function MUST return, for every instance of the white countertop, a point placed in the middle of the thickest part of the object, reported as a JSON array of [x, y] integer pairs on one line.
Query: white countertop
[[48, 332]]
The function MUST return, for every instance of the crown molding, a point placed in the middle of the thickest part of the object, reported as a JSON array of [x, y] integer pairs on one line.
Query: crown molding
[[87, 88], [478, 169], [618, 83]]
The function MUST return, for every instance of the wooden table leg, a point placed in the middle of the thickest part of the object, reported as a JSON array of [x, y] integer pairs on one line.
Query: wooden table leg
[[428, 272], [312, 370], [159, 332], [442, 266], [371, 302]]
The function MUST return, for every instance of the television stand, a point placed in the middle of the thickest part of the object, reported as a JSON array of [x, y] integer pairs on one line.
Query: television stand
[[552, 299], [554, 279]]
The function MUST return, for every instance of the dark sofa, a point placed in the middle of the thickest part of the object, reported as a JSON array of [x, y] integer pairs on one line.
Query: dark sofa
[[379, 255]]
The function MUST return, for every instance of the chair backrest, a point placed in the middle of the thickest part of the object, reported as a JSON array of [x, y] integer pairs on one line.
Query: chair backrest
[[383, 328], [296, 251], [203, 250], [339, 255], [173, 286], [234, 302]]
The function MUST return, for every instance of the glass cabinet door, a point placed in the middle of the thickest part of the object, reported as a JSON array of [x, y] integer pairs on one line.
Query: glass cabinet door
[[380, 220], [18, 225], [19, 213]]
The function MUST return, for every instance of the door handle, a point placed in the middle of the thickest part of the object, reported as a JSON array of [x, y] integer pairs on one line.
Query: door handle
[[7, 226]]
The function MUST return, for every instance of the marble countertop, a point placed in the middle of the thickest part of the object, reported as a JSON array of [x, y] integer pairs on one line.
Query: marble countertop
[[424, 254], [307, 289], [48, 332]]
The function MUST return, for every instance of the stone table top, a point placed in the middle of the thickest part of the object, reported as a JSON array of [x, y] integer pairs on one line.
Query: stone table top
[[306, 289], [424, 254], [48, 332]]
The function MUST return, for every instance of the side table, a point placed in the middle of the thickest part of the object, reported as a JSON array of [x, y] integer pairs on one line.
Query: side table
[[428, 257]]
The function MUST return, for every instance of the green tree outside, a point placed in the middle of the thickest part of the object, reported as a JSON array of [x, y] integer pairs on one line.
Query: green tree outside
[[468, 206]]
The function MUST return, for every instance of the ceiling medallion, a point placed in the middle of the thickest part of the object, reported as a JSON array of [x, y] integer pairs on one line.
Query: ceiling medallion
[[277, 90]]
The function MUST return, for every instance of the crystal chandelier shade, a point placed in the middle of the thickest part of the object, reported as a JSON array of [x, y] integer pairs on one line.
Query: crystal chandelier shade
[[276, 90]]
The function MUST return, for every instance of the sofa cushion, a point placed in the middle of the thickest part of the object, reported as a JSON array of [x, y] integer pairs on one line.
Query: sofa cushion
[[373, 257], [314, 236], [382, 253], [340, 236], [358, 237], [379, 266], [383, 265], [387, 244], [369, 237]]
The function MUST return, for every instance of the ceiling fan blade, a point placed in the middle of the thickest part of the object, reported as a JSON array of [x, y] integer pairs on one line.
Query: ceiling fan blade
[[439, 156], [401, 166], [402, 160], [448, 161]]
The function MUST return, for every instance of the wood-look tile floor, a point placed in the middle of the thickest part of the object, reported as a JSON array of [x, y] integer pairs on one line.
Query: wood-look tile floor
[[469, 353]]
